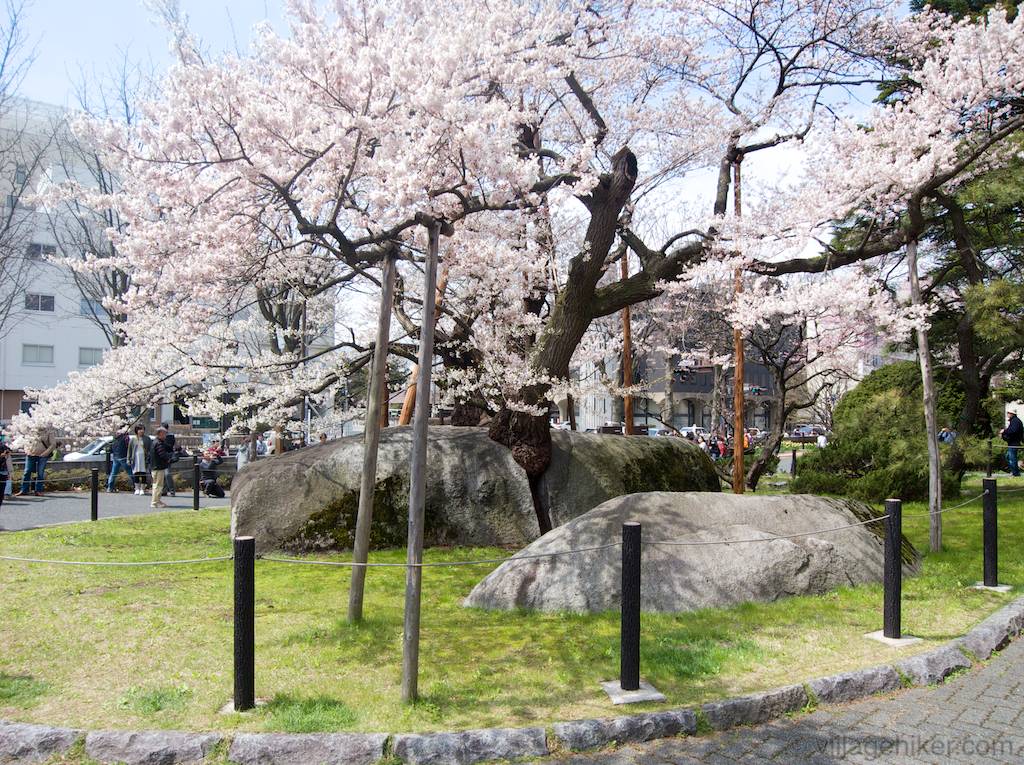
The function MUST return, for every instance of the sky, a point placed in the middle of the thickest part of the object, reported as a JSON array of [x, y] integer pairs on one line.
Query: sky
[[73, 37]]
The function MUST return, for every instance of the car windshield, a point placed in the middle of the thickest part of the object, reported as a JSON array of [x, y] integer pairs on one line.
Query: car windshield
[[94, 446]]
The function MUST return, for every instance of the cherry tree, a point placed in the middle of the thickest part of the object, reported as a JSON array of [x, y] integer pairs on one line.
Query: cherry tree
[[299, 168]]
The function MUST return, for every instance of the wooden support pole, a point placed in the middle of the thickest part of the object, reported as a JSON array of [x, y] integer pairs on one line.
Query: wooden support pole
[[418, 479], [737, 342], [371, 442], [627, 357]]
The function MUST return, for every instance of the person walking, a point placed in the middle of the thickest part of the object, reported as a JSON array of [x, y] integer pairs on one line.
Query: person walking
[[138, 457], [36, 457], [119, 460], [1012, 435], [160, 460]]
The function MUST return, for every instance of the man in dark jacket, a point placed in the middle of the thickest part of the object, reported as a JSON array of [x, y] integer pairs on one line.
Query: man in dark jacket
[[1012, 434], [119, 460], [168, 475], [160, 460]]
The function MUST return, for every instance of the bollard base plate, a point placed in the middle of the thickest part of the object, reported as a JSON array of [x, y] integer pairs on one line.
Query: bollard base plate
[[229, 708], [892, 642], [646, 692], [997, 588]]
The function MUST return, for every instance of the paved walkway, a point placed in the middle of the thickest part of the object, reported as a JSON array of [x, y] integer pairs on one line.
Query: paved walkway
[[18, 513], [976, 718]]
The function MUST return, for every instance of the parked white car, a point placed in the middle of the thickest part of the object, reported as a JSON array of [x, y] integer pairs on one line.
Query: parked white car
[[94, 451]]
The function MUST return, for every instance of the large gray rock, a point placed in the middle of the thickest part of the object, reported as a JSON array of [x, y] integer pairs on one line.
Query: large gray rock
[[700, 572], [588, 469], [476, 493]]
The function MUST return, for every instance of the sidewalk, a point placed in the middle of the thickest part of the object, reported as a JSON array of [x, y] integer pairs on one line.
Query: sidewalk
[[18, 513], [977, 718]]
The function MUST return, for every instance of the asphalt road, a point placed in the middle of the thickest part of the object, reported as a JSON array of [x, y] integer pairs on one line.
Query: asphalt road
[[19, 513]]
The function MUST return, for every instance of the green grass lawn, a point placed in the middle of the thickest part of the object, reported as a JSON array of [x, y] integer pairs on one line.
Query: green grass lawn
[[151, 647]]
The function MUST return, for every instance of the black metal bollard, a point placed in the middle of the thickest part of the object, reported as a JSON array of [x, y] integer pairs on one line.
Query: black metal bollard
[[195, 483], [245, 623], [990, 532], [94, 494], [893, 569], [629, 649], [792, 465]]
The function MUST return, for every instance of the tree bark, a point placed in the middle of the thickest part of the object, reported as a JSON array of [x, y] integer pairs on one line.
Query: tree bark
[[528, 435], [930, 418]]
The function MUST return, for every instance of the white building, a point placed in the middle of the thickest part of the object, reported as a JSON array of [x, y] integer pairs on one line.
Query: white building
[[49, 330]]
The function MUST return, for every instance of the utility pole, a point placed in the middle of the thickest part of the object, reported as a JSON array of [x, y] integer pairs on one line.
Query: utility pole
[[627, 356], [737, 341], [377, 390]]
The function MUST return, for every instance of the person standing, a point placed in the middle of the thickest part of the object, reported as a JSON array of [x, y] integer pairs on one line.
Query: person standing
[[36, 456], [277, 446], [5, 469], [138, 456], [119, 460], [160, 460], [261, 447], [1012, 435], [168, 475]]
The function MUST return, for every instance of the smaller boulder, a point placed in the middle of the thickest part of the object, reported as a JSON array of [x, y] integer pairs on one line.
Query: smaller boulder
[[684, 565]]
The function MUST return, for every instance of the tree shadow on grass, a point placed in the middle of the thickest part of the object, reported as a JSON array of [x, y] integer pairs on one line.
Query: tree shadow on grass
[[22, 691]]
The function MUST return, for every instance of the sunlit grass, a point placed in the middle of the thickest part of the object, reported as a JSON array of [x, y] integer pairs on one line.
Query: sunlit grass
[[151, 647]]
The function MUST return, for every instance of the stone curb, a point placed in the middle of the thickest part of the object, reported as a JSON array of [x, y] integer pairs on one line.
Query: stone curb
[[156, 747], [24, 742], [304, 748], [27, 743]]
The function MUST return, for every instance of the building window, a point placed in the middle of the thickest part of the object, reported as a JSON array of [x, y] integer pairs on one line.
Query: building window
[[37, 354], [36, 302], [88, 307], [88, 357], [38, 251], [20, 176]]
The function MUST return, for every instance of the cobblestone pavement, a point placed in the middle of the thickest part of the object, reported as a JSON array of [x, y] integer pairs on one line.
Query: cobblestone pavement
[[975, 718], [18, 513]]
